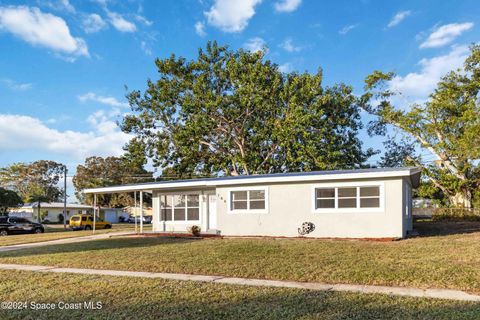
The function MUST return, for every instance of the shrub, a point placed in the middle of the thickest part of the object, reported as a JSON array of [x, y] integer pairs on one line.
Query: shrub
[[195, 230], [455, 214]]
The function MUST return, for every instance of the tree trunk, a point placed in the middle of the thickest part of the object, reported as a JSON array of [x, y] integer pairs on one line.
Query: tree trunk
[[462, 199]]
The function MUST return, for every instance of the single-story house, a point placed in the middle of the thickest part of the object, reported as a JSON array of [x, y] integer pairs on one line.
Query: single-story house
[[51, 211], [363, 203], [135, 211], [113, 215]]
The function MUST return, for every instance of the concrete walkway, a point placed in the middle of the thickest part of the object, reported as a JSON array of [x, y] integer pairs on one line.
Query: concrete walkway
[[65, 240], [398, 291]]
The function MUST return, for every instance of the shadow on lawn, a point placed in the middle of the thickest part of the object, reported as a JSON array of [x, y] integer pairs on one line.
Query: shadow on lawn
[[429, 228], [104, 244], [265, 305], [318, 305]]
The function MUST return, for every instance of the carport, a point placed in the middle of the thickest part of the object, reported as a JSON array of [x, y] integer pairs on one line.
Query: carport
[[138, 194]]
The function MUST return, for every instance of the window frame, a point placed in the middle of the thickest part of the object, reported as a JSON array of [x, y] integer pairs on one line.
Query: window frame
[[248, 210], [357, 209], [182, 193]]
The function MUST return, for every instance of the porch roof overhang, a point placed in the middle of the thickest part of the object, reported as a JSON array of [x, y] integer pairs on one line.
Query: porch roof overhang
[[375, 173]]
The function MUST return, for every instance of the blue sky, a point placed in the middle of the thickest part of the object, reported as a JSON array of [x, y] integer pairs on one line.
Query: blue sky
[[64, 64]]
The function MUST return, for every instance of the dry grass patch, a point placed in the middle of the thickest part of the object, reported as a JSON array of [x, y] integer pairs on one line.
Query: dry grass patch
[[138, 298], [444, 262]]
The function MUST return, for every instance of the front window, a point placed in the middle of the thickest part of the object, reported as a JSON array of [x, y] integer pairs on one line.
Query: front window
[[325, 198], [370, 197], [253, 200], [180, 207], [347, 197]]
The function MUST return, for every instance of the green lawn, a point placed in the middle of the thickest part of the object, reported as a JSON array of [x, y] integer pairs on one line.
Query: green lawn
[[57, 232], [139, 298], [450, 261]]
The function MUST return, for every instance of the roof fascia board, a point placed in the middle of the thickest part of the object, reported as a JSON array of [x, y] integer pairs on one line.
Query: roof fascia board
[[250, 180]]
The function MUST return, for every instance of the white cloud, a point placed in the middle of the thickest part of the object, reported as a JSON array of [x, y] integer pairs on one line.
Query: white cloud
[[145, 48], [347, 29], [120, 23], [93, 23], [445, 34], [41, 29], [111, 101], [67, 6], [59, 5], [287, 5], [398, 17], [20, 132], [287, 45], [16, 85], [200, 29], [143, 20], [417, 86], [286, 67], [255, 44], [231, 15]]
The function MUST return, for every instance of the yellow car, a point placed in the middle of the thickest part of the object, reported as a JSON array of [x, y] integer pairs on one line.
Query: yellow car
[[85, 222]]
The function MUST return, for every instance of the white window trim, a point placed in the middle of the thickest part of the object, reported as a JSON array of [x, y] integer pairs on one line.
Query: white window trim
[[160, 195], [336, 185], [247, 211]]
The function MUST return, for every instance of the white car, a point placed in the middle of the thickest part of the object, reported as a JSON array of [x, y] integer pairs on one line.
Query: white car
[[146, 219]]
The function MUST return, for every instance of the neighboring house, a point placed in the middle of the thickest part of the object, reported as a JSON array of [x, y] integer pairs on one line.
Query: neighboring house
[[49, 210], [423, 208], [113, 214], [135, 211], [364, 203], [424, 203]]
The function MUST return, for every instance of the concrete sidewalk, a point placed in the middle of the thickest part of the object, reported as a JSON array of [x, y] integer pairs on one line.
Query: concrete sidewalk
[[398, 291], [66, 240]]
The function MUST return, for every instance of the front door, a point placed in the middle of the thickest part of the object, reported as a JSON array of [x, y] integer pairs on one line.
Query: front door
[[212, 211]]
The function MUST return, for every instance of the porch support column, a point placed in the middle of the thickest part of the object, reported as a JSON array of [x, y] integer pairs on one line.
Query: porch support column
[[141, 211], [135, 210], [94, 211], [206, 214]]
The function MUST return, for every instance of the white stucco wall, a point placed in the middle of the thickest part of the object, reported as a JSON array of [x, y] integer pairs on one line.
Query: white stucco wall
[[290, 205]]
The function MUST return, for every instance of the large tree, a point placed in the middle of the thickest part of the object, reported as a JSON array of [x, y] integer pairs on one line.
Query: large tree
[[447, 126], [33, 181], [233, 112], [109, 171], [8, 199]]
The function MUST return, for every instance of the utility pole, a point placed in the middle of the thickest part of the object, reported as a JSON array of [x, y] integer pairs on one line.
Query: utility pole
[[65, 197]]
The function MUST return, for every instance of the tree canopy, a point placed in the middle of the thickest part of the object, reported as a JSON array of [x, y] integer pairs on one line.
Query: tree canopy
[[9, 199], [109, 171], [447, 126], [233, 112], [36, 181]]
